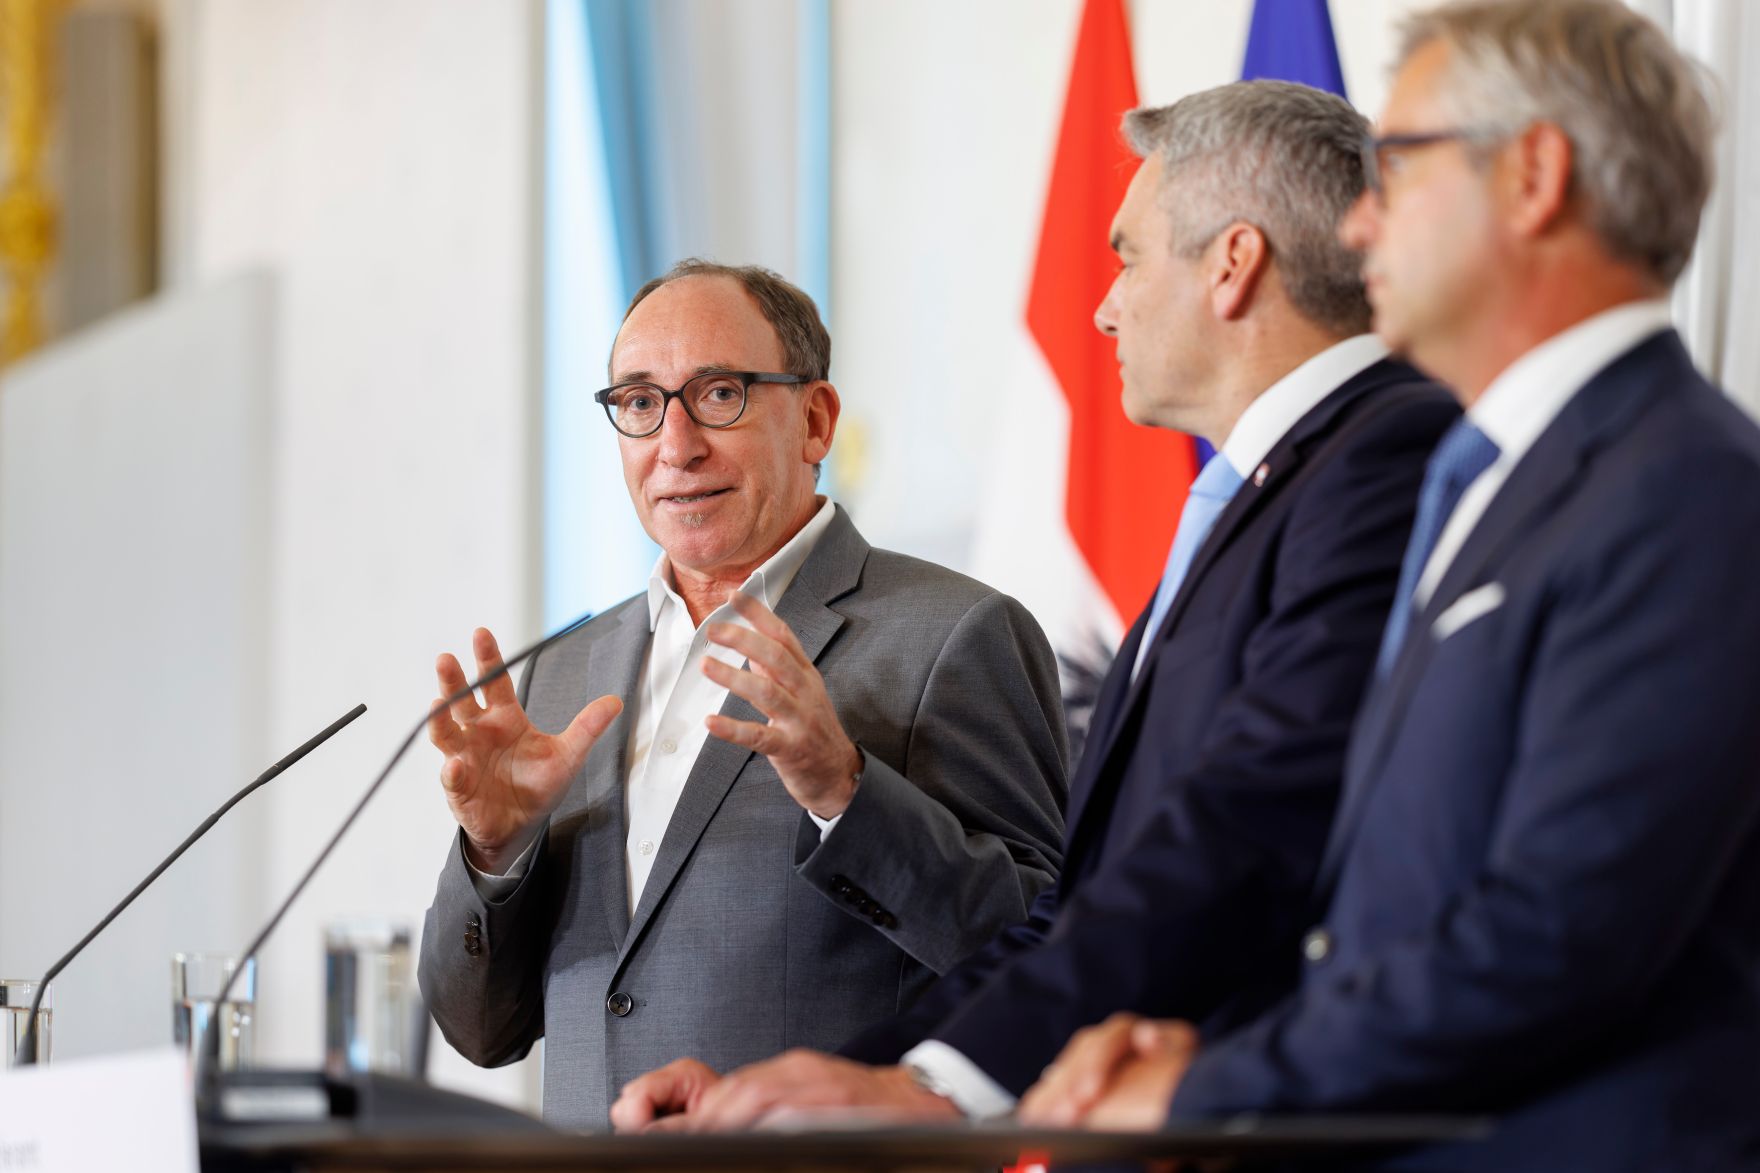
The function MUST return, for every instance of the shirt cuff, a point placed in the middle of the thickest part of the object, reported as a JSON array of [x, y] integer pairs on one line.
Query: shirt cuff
[[951, 1074], [825, 825], [498, 888]]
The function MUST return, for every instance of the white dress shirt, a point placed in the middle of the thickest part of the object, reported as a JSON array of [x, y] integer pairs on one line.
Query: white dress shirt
[[1265, 421], [1524, 400], [1269, 418], [673, 697]]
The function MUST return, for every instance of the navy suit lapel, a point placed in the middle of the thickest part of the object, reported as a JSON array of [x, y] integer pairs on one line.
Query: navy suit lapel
[[1279, 468], [1128, 693], [833, 569], [1103, 726], [1276, 470], [1601, 410]]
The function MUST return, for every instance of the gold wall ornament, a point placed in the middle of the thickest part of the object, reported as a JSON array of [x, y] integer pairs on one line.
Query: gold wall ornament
[[853, 455], [27, 214]]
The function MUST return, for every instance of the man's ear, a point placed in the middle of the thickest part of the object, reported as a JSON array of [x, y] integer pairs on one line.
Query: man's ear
[[822, 409], [1534, 178], [1236, 260]]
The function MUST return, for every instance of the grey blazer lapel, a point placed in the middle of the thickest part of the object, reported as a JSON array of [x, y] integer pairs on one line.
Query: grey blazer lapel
[[613, 663], [833, 569]]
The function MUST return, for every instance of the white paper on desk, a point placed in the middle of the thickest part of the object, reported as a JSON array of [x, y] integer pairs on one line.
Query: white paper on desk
[[120, 1112]]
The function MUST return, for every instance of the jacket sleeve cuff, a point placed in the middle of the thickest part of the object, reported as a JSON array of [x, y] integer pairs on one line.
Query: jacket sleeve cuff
[[492, 888]]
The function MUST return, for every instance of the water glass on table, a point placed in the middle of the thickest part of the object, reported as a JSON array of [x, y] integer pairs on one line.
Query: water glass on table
[[15, 1005], [196, 982], [370, 998]]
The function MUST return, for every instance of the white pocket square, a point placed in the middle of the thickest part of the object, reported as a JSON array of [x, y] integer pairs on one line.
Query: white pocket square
[[1475, 604]]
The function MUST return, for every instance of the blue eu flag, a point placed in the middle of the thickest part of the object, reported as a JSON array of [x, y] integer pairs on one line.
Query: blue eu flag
[[1291, 40]]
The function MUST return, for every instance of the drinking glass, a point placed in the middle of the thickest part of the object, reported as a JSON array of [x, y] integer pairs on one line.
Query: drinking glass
[[369, 995], [15, 1007], [196, 982]]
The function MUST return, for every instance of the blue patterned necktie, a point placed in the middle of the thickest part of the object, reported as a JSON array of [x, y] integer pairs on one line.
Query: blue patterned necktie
[[1463, 454], [1209, 495]]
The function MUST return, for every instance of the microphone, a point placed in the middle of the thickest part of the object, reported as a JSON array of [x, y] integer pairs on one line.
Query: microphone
[[27, 1047], [208, 1052]]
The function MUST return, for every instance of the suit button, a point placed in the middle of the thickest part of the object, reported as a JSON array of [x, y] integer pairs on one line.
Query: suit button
[[840, 885], [473, 944], [1317, 945], [620, 1004], [886, 920]]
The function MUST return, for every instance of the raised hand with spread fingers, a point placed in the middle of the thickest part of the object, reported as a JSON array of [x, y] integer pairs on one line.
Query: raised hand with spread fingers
[[503, 776], [803, 738]]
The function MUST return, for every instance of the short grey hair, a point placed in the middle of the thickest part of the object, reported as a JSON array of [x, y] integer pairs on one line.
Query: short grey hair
[[1637, 112], [1286, 159]]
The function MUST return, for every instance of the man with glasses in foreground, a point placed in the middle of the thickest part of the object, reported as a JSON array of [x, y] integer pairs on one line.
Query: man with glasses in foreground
[[1541, 899], [820, 774]]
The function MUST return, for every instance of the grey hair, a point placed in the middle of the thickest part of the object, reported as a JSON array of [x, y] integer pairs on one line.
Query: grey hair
[[1282, 157], [1637, 112]]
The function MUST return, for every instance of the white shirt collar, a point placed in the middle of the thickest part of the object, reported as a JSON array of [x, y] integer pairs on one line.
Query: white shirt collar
[[1270, 417], [767, 583], [1530, 392]]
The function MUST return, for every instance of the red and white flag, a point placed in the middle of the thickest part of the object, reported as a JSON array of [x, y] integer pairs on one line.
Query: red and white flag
[[1080, 510]]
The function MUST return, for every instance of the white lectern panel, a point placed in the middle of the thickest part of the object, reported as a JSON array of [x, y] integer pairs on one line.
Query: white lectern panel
[[134, 570]]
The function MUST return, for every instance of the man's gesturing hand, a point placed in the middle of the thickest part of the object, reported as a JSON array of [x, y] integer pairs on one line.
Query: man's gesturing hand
[[502, 776], [804, 740], [1118, 1075]]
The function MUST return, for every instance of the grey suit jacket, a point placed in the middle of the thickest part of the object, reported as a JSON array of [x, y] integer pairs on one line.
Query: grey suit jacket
[[752, 935]]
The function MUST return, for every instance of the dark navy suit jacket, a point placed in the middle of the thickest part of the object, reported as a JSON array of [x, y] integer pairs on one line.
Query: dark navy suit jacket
[[1232, 736], [1545, 878]]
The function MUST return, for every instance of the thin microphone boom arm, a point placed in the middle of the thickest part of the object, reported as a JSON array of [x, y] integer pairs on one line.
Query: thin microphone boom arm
[[210, 1042], [27, 1047]]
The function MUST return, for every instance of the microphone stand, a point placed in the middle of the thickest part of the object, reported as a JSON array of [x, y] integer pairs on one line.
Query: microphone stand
[[27, 1047], [207, 1076]]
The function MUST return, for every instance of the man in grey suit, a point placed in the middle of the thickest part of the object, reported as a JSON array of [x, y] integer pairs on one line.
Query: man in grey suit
[[820, 774]]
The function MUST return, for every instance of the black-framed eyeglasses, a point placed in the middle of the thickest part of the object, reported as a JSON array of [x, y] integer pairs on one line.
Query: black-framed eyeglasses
[[1373, 149], [714, 399]]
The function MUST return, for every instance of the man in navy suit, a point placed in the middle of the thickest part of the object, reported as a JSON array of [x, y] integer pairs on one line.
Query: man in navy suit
[[1239, 317], [1541, 898]]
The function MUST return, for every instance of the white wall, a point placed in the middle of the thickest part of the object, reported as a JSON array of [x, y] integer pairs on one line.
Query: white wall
[[134, 580], [379, 157]]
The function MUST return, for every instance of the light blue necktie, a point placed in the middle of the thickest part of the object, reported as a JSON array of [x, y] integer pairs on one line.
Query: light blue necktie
[[1462, 455], [1209, 495]]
